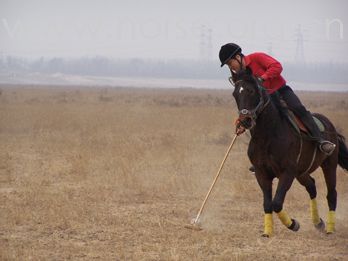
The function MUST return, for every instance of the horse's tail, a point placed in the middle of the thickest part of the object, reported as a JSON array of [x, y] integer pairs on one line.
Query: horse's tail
[[342, 152]]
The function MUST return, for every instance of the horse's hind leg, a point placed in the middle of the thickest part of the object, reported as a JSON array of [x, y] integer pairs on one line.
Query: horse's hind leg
[[309, 183], [329, 169]]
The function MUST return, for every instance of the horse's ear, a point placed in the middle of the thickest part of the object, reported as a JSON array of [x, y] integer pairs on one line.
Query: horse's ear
[[248, 71], [230, 79]]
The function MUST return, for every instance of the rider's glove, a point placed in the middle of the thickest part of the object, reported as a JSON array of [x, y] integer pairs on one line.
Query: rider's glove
[[239, 127]]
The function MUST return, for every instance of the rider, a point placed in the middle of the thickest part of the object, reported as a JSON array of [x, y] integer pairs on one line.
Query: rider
[[268, 70]]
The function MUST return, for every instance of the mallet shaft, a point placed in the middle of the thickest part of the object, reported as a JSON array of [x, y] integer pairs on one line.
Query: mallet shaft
[[215, 179]]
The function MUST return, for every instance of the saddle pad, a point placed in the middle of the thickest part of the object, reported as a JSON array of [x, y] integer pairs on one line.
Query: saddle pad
[[319, 124]]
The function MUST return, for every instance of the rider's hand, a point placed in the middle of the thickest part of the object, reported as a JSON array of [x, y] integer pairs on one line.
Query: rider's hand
[[240, 130], [239, 127]]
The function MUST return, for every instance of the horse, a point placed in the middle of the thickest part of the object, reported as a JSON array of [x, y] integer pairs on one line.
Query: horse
[[278, 151]]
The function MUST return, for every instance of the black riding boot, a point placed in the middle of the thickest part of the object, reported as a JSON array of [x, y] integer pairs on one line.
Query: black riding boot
[[325, 146]]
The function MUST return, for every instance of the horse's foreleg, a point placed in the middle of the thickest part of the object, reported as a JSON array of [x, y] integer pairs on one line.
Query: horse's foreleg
[[290, 223], [267, 206], [268, 225], [266, 186], [285, 181]]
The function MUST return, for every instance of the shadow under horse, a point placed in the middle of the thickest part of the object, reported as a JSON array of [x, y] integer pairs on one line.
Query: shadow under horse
[[277, 151]]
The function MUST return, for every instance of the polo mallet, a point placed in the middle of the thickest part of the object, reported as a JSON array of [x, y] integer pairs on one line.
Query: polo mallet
[[194, 222]]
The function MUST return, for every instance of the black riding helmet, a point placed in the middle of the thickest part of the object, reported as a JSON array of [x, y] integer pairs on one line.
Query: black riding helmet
[[228, 51]]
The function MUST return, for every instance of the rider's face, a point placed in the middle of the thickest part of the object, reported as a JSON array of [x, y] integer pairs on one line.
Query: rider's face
[[234, 63]]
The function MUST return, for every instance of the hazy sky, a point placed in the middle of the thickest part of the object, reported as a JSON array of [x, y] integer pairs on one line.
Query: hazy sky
[[173, 29]]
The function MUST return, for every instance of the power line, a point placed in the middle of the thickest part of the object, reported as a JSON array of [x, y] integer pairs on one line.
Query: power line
[[205, 44], [299, 55]]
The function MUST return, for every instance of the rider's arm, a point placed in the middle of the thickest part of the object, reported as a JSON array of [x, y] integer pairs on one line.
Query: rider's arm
[[272, 67]]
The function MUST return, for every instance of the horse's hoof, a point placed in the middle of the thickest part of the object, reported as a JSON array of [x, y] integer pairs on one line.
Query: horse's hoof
[[330, 231], [265, 235], [295, 226], [320, 226]]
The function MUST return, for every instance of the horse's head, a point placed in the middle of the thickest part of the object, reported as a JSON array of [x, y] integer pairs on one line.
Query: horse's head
[[250, 96]]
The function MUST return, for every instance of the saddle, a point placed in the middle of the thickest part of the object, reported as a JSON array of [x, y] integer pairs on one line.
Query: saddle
[[297, 123], [303, 132]]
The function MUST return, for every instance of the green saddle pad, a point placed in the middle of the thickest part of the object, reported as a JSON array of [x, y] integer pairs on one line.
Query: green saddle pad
[[319, 124]]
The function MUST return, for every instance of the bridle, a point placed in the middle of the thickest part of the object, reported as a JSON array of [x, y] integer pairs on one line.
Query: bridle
[[252, 114]]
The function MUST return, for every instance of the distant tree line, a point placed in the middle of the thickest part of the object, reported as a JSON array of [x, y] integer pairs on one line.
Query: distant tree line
[[193, 69]]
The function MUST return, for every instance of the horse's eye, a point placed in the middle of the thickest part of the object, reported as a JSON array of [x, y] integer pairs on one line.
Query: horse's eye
[[251, 91]]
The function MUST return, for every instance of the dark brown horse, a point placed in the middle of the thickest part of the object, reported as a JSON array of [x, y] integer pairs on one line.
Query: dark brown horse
[[278, 151]]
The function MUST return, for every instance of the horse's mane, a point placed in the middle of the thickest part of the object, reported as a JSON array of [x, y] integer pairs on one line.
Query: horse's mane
[[246, 76]]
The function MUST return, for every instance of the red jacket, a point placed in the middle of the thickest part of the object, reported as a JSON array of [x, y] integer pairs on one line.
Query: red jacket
[[266, 67]]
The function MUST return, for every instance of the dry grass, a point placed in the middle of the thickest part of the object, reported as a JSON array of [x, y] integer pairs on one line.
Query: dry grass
[[114, 174]]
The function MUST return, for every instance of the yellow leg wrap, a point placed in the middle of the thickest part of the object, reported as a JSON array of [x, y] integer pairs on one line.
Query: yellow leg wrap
[[330, 228], [284, 218], [268, 225], [314, 212]]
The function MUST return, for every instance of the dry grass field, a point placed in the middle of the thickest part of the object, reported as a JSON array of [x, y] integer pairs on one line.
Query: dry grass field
[[116, 173]]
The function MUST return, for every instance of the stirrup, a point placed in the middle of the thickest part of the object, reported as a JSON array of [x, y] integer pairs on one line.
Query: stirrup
[[327, 147]]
